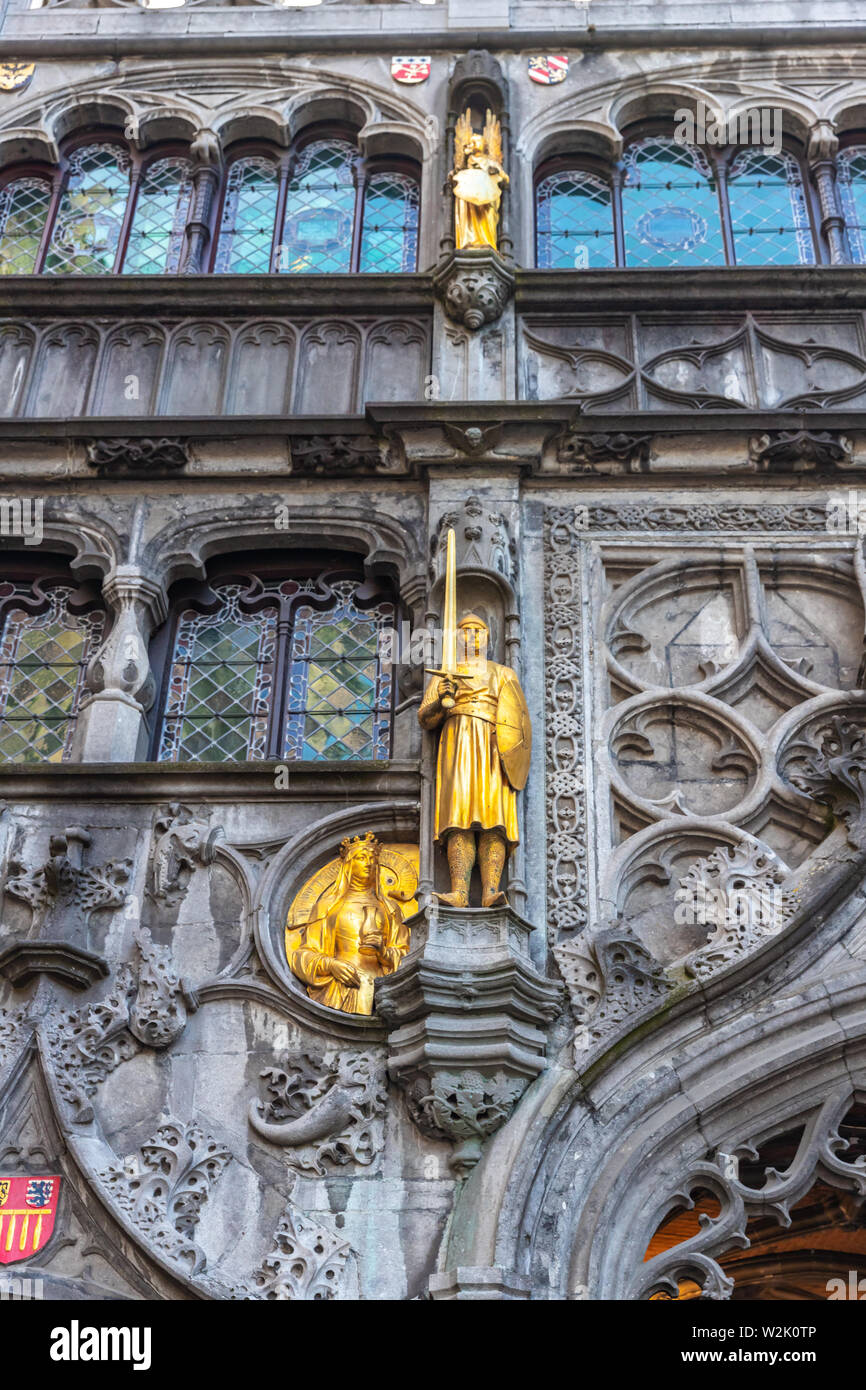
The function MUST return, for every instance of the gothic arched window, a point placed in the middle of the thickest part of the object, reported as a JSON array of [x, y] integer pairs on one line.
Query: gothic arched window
[[769, 214], [158, 227], [319, 209], [24, 205], [49, 630], [574, 221], [851, 183], [275, 667], [85, 238], [670, 206]]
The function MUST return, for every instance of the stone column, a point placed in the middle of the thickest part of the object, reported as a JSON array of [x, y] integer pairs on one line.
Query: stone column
[[823, 146], [111, 722], [205, 151]]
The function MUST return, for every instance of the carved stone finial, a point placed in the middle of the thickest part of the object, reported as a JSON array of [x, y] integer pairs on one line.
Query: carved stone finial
[[474, 286]]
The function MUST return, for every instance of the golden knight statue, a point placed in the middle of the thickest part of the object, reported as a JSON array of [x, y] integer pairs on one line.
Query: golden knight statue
[[476, 182], [485, 744], [354, 931]]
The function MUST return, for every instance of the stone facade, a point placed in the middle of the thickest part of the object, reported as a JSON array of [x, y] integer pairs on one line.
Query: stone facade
[[654, 476]]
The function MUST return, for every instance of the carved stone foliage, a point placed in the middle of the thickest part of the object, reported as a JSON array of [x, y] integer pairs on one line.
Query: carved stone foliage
[[602, 453], [247, 366], [800, 449], [326, 455], [182, 841], [307, 1264], [482, 538], [746, 362], [474, 286], [736, 893], [833, 771], [465, 1107], [11, 1031], [62, 891], [702, 516], [326, 1109], [136, 457], [564, 759], [611, 979], [819, 1156], [148, 1005], [162, 1189]]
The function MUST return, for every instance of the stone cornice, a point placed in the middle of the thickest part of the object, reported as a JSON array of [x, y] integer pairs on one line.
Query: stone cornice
[[146, 782]]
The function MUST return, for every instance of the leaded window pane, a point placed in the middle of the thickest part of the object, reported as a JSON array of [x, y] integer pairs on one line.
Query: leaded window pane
[[249, 211], [389, 241], [339, 703], [158, 229], [851, 182], [320, 210], [221, 683], [574, 222], [43, 659], [768, 210], [90, 217], [24, 207], [670, 206]]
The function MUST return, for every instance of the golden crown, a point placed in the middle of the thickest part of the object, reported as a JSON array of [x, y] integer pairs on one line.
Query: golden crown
[[367, 841]]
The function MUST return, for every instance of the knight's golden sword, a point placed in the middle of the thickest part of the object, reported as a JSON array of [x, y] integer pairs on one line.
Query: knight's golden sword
[[449, 622]]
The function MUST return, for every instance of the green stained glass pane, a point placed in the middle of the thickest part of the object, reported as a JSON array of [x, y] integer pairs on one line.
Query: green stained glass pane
[[670, 206], [320, 211], [389, 240], [90, 217], [247, 227], [768, 210], [156, 238], [574, 222], [23, 209]]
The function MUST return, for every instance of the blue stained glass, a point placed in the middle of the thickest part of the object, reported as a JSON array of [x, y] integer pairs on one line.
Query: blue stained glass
[[24, 207], [249, 210], [389, 241], [769, 215], [156, 237], [574, 222], [670, 206], [851, 182], [90, 217], [320, 210]]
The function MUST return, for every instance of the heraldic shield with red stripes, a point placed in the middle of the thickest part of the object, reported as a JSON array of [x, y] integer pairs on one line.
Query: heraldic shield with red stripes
[[28, 1207], [548, 69]]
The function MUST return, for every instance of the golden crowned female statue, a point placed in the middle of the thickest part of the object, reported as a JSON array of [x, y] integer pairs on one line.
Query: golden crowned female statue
[[345, 928], [476, 181]]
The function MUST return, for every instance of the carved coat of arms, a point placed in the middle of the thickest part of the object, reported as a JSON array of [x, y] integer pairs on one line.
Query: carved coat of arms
[[28, 1207]]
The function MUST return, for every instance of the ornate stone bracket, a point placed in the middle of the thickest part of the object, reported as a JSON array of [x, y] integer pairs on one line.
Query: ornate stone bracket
[[327, 1109], [800, 450], [474, 286], [182, 842], [120, 685], [835, 774], [333, 455], [578, 452], [62, 894], [467, 1015]]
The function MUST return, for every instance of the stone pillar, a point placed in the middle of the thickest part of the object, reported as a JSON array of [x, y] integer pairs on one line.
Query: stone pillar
[[111, 722], [823, 146], [205, 180]]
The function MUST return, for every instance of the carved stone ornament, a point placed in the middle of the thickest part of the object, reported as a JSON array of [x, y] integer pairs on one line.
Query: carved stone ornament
[[62, 894], [465, 1107], [611, 979], [326, 455], [736, 893], [307, 1264], [474, 286], [818, 1157], [148, 1006], [328, 1109], [588, 453], [182, 841], [135, 457], [11, 1030], [482, 539], [834, 773], [800, 449], [162, 1188]]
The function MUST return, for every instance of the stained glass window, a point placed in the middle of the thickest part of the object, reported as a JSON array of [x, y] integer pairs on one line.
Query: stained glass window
[[156, 237], [273, 671], [768, 210], [574, 222], [851, 182], [339, 690], [389, 240], [90, 217], [43, 658], [670, 206], [249, 211], [320, 210], [24, 205]]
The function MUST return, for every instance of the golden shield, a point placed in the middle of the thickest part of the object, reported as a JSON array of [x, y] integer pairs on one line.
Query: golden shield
[[514, 734], [15, 76]]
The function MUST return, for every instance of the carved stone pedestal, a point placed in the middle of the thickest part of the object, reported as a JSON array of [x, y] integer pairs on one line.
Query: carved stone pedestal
[[466, 1015], [474, 286]]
